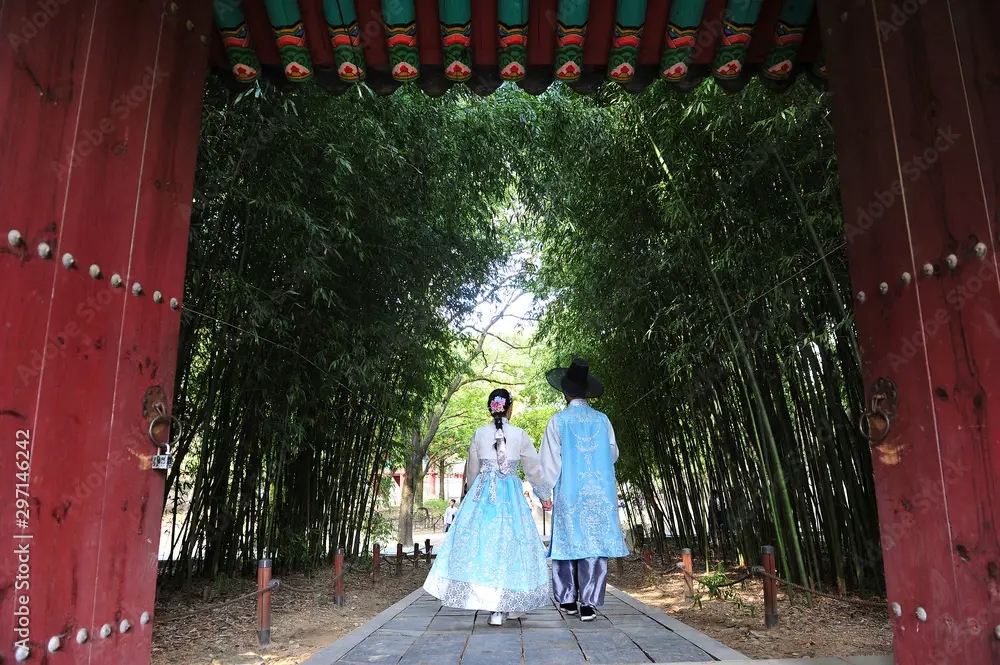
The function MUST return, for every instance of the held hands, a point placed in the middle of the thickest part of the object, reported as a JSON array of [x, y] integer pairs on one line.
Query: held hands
[[547, 505]]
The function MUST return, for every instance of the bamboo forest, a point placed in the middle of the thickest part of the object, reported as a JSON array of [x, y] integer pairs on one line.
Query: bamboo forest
[[364, 270]]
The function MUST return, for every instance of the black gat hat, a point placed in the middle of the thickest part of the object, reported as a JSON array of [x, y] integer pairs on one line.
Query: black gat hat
[[575, 380]]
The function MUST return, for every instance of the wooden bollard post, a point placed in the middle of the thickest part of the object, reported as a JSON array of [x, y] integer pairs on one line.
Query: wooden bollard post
[[416, 555], [264, 602], [427, 551], [689, 568], [376, 563], [620, 566], [338, 570], [399, 559], [647, 558], [770, 588]]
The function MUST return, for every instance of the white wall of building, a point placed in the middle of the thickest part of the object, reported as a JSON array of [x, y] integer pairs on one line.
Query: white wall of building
[[432, 484]]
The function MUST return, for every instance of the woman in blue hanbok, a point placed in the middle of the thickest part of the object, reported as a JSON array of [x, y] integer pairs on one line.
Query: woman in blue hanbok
[[492, 558]]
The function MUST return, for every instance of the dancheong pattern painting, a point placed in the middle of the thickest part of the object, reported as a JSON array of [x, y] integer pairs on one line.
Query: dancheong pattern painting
[[436, 44]]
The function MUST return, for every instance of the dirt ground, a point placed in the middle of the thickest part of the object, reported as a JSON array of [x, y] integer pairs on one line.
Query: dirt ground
[[303, 618], [829, 628]]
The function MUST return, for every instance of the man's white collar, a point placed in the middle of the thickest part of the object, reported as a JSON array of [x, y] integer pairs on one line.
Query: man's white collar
[[577, 402]]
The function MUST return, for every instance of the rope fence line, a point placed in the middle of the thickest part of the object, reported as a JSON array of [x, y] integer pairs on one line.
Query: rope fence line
[[336, 578], [267, 585], [759, 570], [767, 573], [273, 585], [263, 599], [770, 579]]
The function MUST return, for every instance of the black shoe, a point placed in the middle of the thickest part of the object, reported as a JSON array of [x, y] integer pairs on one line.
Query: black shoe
[[587, 613], [569, 608]]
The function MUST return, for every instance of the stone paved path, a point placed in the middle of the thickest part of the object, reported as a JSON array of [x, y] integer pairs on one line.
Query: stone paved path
[[419, 631]]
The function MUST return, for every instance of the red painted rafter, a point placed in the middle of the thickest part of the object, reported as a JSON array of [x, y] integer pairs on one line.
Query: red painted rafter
[[261, 32], [709, 32], [812, 42], [654, 32], [429, 32], [485, 33], [317, 35], [372, 31], [763, 33], [600, 32], [542, 32]]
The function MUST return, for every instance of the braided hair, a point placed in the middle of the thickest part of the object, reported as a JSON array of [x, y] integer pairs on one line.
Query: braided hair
[[498, 403]]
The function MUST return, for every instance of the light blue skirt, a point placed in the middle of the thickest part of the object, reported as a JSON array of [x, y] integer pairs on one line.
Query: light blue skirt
[[492, 558]]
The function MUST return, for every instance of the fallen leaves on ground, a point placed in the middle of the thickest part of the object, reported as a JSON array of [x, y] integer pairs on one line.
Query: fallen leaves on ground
[[829, 628], [304, 618]]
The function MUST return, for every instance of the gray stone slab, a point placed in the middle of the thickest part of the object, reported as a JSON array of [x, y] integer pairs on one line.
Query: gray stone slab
[[443, 649], [545, 610], [453, 623], [492, 640], [412, 611], [383, 647], [664, 646], [553, 655], [597, 624], [618, 611], [542, 624], [636, 621], [609, 647], [611, 601], [493, 648], [543, 617], [552, 636], [419, 631], [406, 624]]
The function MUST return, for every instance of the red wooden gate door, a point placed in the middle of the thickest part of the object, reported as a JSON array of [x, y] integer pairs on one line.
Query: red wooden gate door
[[915, 98], [99, 121]]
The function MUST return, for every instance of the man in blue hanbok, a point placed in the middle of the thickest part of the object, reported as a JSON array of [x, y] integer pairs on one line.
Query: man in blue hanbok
[[578, 457]]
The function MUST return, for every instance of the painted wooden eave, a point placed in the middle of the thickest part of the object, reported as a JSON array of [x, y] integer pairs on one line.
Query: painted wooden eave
[[435, 44]]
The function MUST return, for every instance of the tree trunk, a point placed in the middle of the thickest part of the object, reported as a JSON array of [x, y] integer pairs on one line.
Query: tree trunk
[[442, 468], [413, 487], [418, 485], [405, 527]]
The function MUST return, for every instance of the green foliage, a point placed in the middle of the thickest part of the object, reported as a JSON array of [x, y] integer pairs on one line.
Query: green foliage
[[509, 363], [436, 506], [713, 580], [334, 244], [382, 529], [691, 248]]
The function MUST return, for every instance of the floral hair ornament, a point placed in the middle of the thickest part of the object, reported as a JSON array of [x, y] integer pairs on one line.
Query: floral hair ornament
[[498, 405]]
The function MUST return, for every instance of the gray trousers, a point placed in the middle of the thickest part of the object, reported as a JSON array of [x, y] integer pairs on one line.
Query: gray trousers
[[580, 581]]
